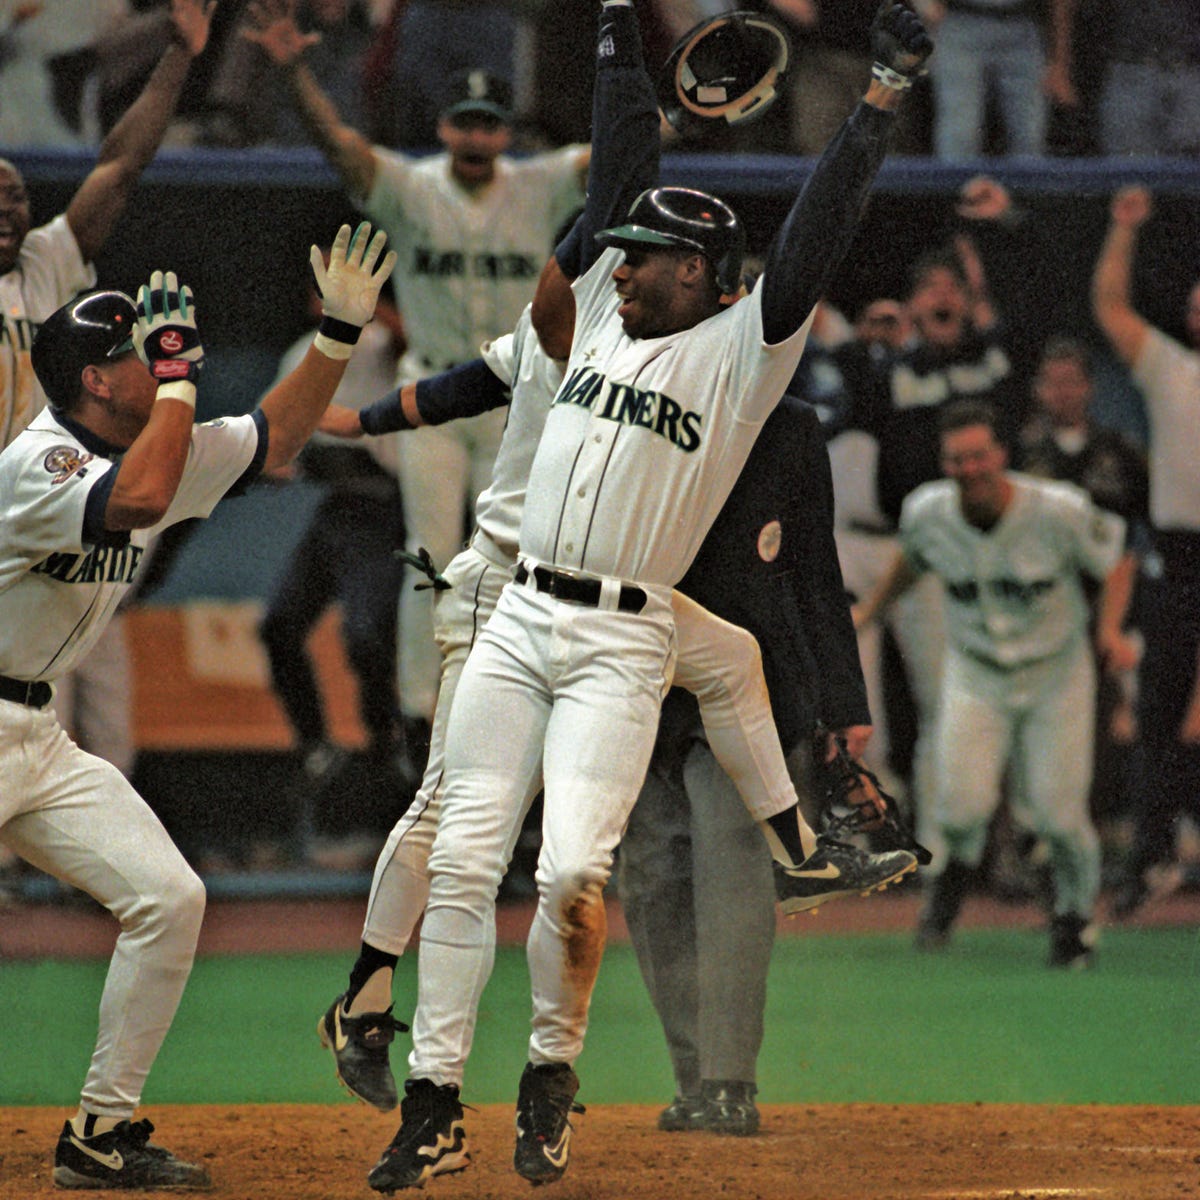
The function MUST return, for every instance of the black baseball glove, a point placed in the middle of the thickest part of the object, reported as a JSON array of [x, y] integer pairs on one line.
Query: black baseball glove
[[866, 807], [899, 43]]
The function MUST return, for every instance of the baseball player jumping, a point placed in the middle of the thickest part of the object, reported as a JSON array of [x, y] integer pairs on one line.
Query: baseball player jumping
[[1019, 687], [113, 460], [666, 388]]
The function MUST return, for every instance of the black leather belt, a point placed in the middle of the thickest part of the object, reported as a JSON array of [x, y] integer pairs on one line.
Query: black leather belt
[[580, 591], [19, 691]]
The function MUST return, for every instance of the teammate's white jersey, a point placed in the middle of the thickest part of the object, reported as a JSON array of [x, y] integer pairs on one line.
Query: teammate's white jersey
[[637, 460], [533, 377], [468, 262], [1014, 594], [50, 270], [57, 592]]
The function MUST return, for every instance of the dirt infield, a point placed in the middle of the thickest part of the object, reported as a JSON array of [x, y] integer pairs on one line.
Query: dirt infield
[[831, 1152]]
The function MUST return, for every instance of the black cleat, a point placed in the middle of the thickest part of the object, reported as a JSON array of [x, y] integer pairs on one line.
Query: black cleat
[[431, 1139], [835, 869], [545, 1101], [1072, 942], [124, 1157], [729, 1108], [683, 1115], [360, 1050]]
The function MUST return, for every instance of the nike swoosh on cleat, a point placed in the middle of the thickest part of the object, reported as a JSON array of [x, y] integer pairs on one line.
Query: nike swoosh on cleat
[[557, 1156], [828, 871], [112, 1159], [340, 1039]]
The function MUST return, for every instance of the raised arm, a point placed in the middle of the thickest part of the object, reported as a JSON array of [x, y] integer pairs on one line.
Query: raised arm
[[1111, 303], [349, 289], [900, 576], [821, 224], [134, 139], [274, 28], [624, 162]]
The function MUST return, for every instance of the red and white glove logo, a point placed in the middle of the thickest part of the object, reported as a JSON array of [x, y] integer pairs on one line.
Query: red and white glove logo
[[171, 341]]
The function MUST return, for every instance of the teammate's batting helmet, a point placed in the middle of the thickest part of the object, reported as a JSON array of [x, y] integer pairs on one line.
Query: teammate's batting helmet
[[728, 68], [685, 218], [89, 329]]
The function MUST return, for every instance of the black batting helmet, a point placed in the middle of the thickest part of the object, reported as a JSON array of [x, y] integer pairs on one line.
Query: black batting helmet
[[91, 328], [686, 218], [728, 68]]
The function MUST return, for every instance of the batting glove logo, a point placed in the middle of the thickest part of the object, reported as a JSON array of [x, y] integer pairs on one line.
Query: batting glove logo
[[171, 341]]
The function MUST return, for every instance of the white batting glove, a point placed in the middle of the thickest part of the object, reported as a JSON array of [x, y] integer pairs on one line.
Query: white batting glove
[[349, 286], [166, 337]]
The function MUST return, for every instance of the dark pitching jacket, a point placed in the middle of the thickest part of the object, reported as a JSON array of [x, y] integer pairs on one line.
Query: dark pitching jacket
[[769, 564]]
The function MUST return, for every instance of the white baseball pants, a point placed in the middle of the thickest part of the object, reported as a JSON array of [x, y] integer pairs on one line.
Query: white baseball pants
[[76, 817]]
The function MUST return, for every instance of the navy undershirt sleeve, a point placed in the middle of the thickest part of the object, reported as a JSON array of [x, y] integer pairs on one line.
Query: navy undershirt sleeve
[[818, 230], [625, 138], [463, 391]]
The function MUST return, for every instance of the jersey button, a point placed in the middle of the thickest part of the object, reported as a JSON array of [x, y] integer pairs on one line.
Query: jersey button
[[569, 547], [597, 439], [581, 493]]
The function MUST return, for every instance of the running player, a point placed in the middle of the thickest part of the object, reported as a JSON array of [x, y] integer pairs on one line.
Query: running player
[[113, 460], [1019, 689]]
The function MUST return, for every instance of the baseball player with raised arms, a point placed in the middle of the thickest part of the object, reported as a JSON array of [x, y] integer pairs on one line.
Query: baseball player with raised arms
[[472, 227], [1019, 687], [665, 390], [113, 460], [719, 661]]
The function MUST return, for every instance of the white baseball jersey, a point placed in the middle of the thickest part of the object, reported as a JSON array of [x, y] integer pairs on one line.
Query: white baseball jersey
[[50, 270], [638, 458], [1014, 596], [1168, 376], [468, 262], [57, 591], [533, 377]]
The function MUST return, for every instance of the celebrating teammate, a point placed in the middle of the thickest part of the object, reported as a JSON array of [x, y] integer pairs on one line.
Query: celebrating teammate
[[113, 460], [472, 227], [1019, 688], [666, 388]]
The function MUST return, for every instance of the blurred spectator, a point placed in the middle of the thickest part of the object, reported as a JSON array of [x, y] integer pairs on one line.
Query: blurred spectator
[[46, 56], [1168, 375], [992, 52], [1149, 102], [248, 103], [829, 71], [1061, 441], [435, 39]]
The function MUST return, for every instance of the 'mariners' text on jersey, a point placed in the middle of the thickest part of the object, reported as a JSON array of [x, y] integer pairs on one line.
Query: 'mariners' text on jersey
[[104, 564], [632, 406]]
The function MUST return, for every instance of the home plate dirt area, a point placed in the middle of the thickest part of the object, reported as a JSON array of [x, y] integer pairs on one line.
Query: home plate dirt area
[[828, 1152]]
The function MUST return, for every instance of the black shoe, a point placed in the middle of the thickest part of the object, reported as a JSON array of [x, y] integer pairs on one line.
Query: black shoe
[[836, 869], [683, 1115], [124, 1157], [360, 1050], [729, 1107], [1072, 942], [431, 1139], [942, 905], [545, 1101]]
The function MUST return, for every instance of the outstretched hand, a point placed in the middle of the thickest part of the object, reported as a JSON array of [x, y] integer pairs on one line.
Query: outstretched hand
[[1131, 207], [351, 282], [192, 20], [274, 29]]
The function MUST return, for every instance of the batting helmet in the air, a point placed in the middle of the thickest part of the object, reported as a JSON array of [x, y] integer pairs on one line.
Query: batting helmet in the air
[[728, 67], [684, 217], [89, 329]]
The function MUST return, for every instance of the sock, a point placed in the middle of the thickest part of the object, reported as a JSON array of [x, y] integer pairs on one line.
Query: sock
[[370, 982], [88, 1125], [789, 836]]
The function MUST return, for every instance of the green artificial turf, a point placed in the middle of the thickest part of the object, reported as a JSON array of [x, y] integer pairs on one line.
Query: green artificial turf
[[855, 1018]]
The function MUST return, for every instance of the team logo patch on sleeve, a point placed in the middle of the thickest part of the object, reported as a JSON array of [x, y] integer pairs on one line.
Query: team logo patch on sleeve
[[63, 461]]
